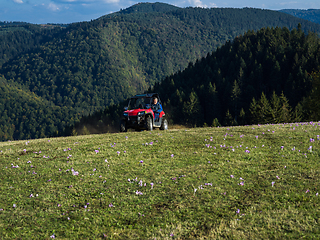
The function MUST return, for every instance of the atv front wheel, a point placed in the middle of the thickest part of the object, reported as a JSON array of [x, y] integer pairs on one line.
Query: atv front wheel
[[164, 125], [149, 124], [123, 127]]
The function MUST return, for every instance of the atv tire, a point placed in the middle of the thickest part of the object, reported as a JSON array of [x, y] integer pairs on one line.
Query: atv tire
[[149, 124], [123, 127], [164, 125]]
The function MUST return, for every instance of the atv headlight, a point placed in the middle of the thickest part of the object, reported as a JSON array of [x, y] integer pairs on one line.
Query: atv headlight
[[140, 113], [125, 114]]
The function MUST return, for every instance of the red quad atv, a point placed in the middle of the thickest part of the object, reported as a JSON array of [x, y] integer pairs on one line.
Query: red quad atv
[[141, 114]]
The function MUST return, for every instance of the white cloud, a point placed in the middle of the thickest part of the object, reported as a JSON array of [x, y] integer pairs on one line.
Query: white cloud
[[17, 1], [213, 5], [197, 3], [288, 3], [78, 1], [53, 7], [111, 1]]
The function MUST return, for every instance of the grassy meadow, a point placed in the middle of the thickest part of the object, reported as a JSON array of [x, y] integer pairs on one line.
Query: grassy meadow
[[248, 182]]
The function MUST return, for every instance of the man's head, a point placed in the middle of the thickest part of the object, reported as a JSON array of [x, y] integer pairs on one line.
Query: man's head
[[155, 100]]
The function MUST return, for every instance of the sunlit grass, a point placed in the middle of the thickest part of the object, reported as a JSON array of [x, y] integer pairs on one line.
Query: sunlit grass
[[237, 182]]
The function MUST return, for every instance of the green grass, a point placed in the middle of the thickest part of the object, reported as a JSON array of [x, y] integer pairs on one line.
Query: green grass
[[231, 169]]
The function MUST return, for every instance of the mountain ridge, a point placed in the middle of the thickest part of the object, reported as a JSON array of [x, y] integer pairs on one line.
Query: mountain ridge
[[312, 15]]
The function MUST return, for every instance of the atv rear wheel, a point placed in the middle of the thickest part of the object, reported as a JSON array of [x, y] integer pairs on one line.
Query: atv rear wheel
[[149, 124], [123, 127], [164, 125]]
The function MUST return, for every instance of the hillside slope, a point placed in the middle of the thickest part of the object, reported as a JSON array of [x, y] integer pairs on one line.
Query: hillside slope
[[25, 115], [248, 182], [312, 15]]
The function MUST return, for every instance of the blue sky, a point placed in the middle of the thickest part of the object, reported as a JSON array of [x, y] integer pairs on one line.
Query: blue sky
[[68, 11]]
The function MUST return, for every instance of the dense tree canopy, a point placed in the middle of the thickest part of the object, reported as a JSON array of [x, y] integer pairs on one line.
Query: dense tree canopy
[[81, 68], [312, 15], [270, 64], [265, 76]]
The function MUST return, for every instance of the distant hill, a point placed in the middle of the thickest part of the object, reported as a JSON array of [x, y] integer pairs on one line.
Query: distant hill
[[312, 15], [87, 66], [24, 115], [146, 8]]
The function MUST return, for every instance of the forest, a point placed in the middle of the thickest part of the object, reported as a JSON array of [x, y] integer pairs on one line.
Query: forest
[[312, 15], [56, 76], [265, 76]]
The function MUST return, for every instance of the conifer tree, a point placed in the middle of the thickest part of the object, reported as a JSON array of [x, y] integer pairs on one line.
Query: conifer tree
[[285, 113], [298, 113], [215, 123], [275, 108], [212, 105], [264, 110], [254, 111], [235, 96], [242, 117], [312, 103], [192, 109], [229, 120]]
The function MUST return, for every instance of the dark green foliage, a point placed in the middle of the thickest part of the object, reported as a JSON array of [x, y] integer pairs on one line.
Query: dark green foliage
[[146, 8], [312, 15], [192, 111], [26, 116], [270, 65], [311, 103], [274, 62], [85, 67], [277, 110], [17, 38]]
